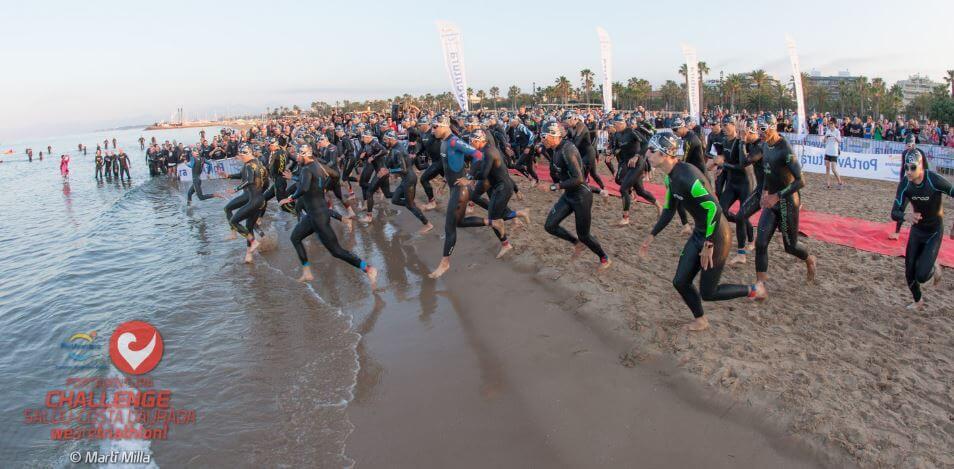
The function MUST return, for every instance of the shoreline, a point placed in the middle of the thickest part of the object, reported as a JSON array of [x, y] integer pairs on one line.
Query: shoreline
[[526, 381]]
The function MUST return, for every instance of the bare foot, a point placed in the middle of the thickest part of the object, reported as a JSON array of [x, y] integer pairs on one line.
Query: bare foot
[[811, 263], [519, 196], [232, 236], [750, 247], [348, 224], [604, 265], [504, 250], [306, 275], [469, 209], [698, 324], [738, 259], [525, 214], [894, 236], [578, 249], [604, 193], [938, 272], [248, 257], [350, 213], [441, 268], [761, 293], [623, 221], [366, 218], [372, 277], [659, 208], [254, 246], [498, 224], [430, 205], [425, 228], [686, 229], [916, 306]]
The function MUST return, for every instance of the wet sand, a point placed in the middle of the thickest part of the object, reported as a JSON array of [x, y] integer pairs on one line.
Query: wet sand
[[841, 363], [490, 367]]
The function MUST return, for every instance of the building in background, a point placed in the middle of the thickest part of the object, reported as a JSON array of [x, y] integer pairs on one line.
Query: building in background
[[914, 86], [832, 84]]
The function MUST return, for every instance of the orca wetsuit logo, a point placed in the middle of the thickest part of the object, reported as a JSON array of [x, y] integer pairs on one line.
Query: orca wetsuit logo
[[135, 347]]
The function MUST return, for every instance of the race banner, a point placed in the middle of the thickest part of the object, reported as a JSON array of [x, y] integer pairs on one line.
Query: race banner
[[451, 43], [800, 127], [606, 60], [692, 82]]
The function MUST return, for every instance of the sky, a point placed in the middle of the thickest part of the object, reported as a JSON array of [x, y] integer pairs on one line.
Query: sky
[[83, 66]]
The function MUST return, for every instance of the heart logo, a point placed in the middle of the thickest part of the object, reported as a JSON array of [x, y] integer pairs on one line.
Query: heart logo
[[135, 347]]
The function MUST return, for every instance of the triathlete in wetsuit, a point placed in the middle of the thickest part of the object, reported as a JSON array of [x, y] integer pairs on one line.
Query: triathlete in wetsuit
[[277, 164], [250, 202], [923, 189], [577, 198], [752, 154], [99, 164], [911, 143], [735, 182], [780, 200], [348, 156], [310, 189], [521, 141], [492, 176], [198, 164], [580, 135], [431, 150], [709, 245], [374, 176], [633, 165], [454, 154], [328, 156], [399, 164]]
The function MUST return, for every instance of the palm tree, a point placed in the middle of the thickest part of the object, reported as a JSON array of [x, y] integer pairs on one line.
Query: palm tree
[[513, 93], [844, 90], [863, 88], [481, 95], [760, 78], [950, 79], [639, 89], [734, 85], [562, 88], [470, 93], [494, 93], [780, 91], [878, 90], [587, 76], [670, 92]]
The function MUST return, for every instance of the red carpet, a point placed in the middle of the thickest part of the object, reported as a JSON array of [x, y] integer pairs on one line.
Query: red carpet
[[852, 232]]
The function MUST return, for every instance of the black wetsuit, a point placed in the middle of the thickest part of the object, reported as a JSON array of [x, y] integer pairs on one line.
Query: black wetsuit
[[349, 160], [693, 153], [688, 185], [329, 158], [492, 176], [521, 140], [581, 138], [924, 242], [197, 165], [251, 201], [735, 187], [374, 155], [277, 164], [431, 148], [577, 199], [455, 153], [752, 204], [904, 158], [99, 166], [123, 161], [632, 144], [783, 176], [400, 163], [310, 191]]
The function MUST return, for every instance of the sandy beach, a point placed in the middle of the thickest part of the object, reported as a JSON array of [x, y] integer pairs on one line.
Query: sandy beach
[[841, 363]]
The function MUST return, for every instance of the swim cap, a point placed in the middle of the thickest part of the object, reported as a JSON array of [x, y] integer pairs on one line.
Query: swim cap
[[664, 142]]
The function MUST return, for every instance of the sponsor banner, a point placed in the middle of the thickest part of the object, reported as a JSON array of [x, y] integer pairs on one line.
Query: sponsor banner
[[692, 82], [229, 165], [451, 43], [606, 60], [851, 164]]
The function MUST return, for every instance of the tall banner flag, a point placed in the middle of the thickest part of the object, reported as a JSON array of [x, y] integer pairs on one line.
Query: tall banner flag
[[692, 82], [606, 59], [800, 123], [454, 61]]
